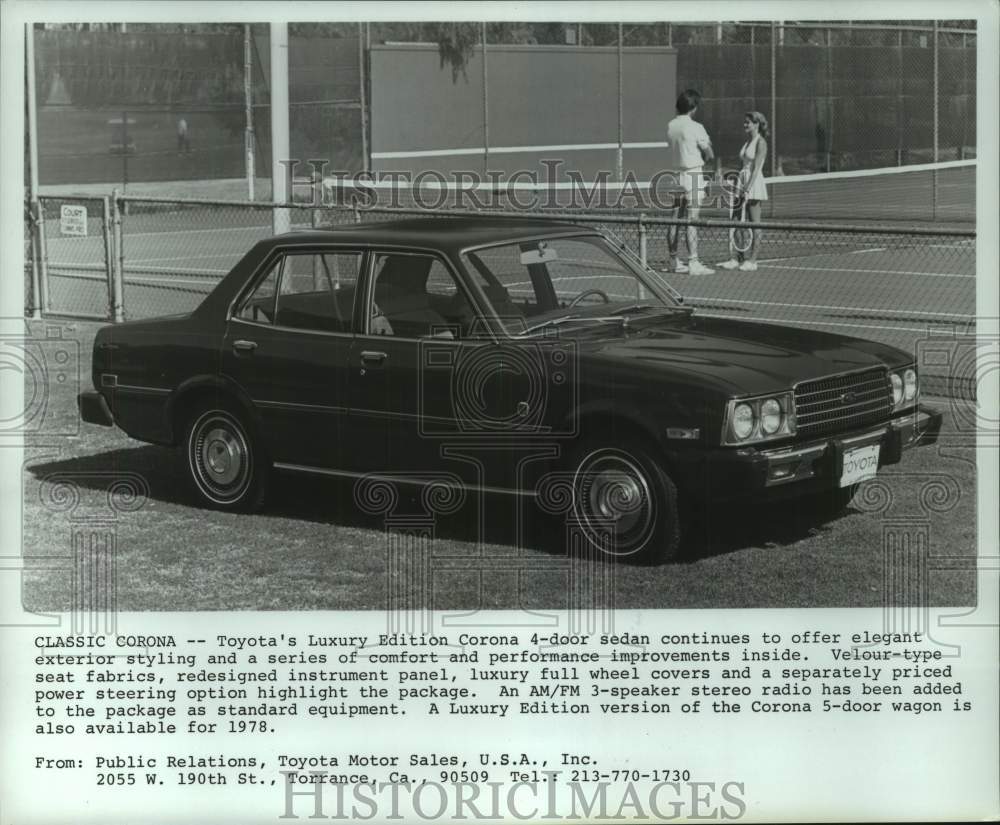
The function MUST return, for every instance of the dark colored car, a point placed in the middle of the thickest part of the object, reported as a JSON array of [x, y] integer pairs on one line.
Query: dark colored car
[[506, 355]]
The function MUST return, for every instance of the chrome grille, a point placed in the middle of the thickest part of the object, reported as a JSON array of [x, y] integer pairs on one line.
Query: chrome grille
[[842, 402]]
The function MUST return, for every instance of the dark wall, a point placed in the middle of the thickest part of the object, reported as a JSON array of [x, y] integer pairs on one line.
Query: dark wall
[[536, 96]]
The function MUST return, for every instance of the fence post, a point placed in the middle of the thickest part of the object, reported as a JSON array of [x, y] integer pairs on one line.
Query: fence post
[[619, 154], [43, 260], [486, 108], [363, 93], [774, 99], [32, 212], [248, 133], [118, 260], [934, 196], [109, 253], [642, 238], [899, 98], [830, 102]]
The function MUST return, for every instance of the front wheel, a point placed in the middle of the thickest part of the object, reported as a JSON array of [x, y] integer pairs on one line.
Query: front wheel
[[226, 467], [624, 502]]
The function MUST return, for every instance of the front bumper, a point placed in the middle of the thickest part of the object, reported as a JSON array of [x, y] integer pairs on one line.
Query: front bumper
[[818, 465], [94, 409]]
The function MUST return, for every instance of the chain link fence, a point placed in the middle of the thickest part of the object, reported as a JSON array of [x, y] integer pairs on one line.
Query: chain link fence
[[134, 258], [162, 103], [839, 96], [71, 249]]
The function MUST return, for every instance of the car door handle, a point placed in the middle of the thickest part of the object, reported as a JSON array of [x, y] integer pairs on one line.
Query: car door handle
[[372, 357], [244, 346]]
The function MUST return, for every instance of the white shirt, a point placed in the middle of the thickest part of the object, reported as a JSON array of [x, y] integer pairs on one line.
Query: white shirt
[[685, 140]]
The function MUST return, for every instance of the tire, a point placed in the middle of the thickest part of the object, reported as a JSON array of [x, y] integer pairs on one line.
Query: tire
[[226, 465], [624, 502]]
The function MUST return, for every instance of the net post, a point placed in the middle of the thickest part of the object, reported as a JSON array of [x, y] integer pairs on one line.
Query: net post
[[118, 259], [315, 214], [125, 150]]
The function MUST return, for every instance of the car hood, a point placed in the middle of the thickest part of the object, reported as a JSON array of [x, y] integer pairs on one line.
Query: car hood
[[738, 357]]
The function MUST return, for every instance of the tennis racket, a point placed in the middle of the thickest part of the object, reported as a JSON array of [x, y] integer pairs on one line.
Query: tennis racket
[[740, 237]]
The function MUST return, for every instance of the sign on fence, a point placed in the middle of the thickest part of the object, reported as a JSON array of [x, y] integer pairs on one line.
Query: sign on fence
[[73, 219]]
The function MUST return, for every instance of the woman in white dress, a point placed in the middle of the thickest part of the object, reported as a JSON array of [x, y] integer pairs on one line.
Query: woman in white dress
[[752, 188]]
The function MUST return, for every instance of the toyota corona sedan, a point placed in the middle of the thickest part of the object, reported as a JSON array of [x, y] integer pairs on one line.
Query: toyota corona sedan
[[509, 356]]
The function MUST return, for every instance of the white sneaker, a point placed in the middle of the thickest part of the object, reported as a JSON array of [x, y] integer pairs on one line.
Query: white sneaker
[[732, 263], [748, 266], [698, 268], [681, 268]]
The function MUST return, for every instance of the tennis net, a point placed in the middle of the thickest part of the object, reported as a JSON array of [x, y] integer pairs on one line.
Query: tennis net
[[925, 193], [908, 195]]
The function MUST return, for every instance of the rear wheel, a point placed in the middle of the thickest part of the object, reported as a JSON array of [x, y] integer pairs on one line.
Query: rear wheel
[[227, 468], [624, 502]]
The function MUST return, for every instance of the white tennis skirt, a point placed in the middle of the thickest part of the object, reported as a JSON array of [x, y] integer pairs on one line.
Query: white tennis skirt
[[757, 192]]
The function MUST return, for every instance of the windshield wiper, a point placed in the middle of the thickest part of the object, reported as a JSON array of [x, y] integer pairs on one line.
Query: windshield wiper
[[591, 319], [629, 310], [554, 322], [636, 308]]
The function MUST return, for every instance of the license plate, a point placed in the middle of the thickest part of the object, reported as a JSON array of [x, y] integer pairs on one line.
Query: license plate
[[859, 464]]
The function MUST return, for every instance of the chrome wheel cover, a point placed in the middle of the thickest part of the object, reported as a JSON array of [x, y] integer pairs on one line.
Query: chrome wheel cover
[[613, 501], [219, 457]]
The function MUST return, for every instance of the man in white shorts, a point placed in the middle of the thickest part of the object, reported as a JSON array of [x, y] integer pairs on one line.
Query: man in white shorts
[[688, 150]]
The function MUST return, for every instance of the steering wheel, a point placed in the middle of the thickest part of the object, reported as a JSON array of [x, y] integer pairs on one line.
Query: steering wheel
[[587, 292]]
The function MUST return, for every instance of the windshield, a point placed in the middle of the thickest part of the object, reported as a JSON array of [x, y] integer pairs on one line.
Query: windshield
[[537, 284]]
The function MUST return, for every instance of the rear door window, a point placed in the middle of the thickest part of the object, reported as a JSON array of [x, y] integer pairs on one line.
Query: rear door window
[[311, 291]]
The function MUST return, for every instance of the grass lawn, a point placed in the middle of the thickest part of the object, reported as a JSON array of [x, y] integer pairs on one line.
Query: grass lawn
[[312, 548]]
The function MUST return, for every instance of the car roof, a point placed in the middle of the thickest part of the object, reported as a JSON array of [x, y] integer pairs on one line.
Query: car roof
[[441, 233]]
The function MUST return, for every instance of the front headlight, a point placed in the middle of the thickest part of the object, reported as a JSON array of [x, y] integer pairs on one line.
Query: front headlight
[[766, 417], [897, 389], [743, 421], [905, 388], [770, 416]]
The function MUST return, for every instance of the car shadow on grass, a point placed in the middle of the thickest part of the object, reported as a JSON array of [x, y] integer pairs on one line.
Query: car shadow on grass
[[738, 526], [490, 520], [159, 474]]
